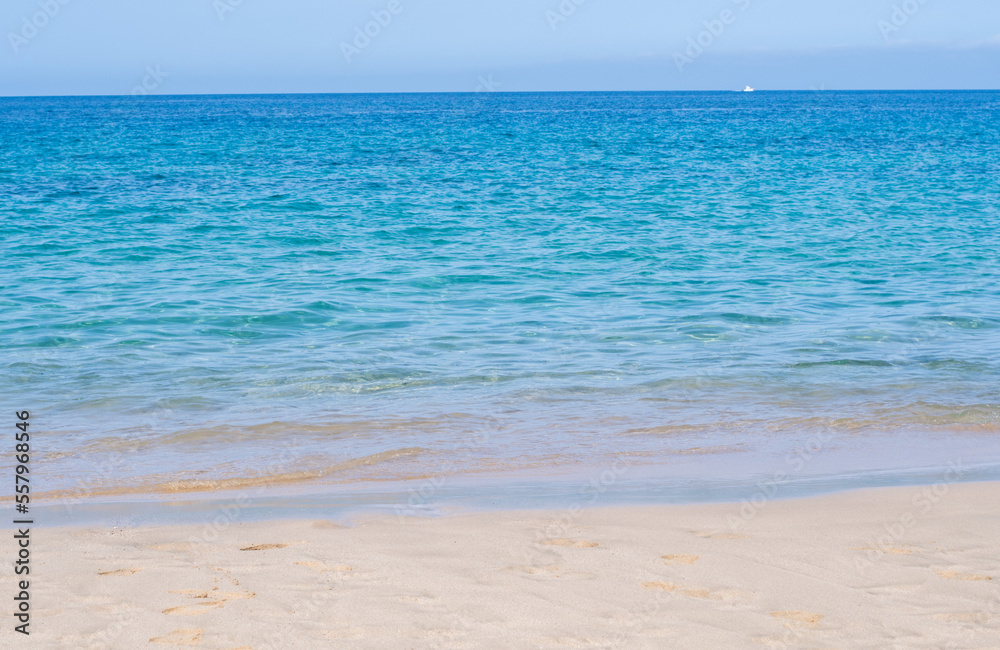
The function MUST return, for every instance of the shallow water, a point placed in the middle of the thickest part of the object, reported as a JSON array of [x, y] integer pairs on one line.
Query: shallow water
[[205, 293]]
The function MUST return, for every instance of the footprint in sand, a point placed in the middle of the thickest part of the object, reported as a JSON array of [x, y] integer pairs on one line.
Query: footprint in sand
[[263, 547], [550, 572], [119, 572], [319, 566], [218, 598], [191, 593], [226, 575], [799, 619], [571, 543], [728, 595], [180, 637], [954, 575], [717, 535], [226, 596], [679, 559], [193, 610], [964, 617]]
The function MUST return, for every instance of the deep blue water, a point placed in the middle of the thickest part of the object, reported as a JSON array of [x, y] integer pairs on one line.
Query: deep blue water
[[500, 284]]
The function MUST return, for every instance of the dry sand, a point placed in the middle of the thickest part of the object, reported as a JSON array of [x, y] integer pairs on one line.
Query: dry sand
[[913, 567]]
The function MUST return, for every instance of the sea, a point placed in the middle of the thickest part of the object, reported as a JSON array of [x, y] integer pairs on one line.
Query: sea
[[419, 302]]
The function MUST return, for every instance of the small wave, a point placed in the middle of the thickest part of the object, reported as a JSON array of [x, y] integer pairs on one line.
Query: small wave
[[964, 322], [756, 320], [182, 486], [873, 363]]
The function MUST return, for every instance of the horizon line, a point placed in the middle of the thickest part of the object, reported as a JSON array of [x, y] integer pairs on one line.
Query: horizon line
[[518, 92]]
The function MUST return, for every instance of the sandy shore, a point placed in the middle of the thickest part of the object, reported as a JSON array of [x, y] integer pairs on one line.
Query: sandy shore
[[912, 567]]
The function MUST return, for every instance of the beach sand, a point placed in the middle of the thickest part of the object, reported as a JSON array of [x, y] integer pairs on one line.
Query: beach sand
[[911, 567]]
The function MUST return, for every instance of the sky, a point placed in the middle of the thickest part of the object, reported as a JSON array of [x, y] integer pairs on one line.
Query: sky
[[121, 47]]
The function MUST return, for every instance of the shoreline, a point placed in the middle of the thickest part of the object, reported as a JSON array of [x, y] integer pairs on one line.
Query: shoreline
[[441, 495], [886, 567], [397, 477]]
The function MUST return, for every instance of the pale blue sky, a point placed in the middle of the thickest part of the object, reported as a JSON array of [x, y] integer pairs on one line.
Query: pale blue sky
[[205, 46]]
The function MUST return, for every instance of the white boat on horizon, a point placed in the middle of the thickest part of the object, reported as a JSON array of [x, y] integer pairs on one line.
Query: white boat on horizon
[[748, 89]]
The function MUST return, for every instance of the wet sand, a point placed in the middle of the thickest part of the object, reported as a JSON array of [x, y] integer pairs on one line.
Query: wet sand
[[911, 567]]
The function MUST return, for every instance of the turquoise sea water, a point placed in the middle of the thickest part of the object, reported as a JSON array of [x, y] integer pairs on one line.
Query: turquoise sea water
[[329, 292]]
